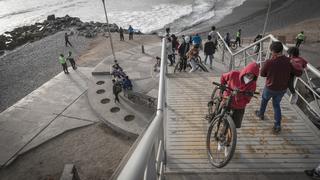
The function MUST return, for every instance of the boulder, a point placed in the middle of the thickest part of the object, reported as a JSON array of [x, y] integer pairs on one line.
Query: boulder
[[51, 17]]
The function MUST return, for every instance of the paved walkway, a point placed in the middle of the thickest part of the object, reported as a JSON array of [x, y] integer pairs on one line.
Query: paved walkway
[[295, 149], [57, 106]]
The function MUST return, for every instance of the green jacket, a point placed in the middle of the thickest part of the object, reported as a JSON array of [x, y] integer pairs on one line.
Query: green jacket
[[62, 60], [300, 36], [238, 34]]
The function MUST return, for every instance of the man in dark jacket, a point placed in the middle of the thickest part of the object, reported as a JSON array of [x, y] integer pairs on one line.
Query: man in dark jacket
[[121, 34], [66, 39], [183, 49], [277, 71], [209, 50]]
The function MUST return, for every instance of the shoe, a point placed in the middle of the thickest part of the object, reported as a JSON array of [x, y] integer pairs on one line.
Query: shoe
[[276, 130], [257, 113], [312, 173], [226, 151], [293, 98]]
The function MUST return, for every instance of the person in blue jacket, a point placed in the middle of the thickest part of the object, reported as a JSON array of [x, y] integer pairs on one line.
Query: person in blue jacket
[[130, 31]]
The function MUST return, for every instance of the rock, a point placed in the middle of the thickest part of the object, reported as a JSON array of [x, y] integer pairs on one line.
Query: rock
[[51, 17]]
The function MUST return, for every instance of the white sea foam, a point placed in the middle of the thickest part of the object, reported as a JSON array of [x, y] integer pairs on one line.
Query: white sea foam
[[145, 15]]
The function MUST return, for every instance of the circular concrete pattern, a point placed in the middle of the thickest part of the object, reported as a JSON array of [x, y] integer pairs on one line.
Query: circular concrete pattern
[[115, 109], [101, 91], [105, 101], [129, 118], [100, 82]]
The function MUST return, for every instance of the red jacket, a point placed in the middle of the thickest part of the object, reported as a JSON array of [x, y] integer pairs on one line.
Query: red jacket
[[277, 71], [299, 64], [234, 79]]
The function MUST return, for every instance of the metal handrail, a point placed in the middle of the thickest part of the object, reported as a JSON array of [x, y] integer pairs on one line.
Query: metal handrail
[[146, 162]]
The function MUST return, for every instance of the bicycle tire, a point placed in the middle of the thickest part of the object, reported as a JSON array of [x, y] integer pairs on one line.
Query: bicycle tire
[[210, 140], [233, 46], [203, 67], [215, 99]]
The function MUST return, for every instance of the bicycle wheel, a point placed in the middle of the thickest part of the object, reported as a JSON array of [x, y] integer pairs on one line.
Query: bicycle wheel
[[213, 104], [221, 141], [233, 45], [203, 67]]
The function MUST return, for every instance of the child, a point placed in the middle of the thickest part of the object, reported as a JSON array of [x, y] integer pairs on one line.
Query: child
[[298, 63]]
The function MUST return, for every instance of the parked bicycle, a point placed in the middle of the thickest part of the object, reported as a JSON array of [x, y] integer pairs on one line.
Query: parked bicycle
[[200, 65], [222, 133]]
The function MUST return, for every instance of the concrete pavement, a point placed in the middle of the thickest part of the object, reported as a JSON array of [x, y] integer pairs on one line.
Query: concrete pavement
[[57, 106]]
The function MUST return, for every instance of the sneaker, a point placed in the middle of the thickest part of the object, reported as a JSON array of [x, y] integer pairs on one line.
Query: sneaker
[[293, 98], [276, 130], [257, 113]]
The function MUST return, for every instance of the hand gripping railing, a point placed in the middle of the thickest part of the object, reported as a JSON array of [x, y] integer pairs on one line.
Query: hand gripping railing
[[146, 161], [244, 55]]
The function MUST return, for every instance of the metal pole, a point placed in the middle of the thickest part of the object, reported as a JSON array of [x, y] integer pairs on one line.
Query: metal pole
[[266, 21], [111, 43]]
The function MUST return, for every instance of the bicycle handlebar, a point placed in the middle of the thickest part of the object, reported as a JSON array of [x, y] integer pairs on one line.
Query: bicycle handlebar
[[224, 87]]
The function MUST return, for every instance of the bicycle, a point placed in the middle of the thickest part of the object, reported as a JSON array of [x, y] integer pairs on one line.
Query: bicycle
[[222, 130], [179, 65]]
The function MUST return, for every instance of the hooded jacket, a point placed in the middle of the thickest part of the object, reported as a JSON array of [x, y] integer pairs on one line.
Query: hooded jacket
[[234, 79]]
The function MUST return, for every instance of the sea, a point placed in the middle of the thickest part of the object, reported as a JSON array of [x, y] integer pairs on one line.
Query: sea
[[146, 16]]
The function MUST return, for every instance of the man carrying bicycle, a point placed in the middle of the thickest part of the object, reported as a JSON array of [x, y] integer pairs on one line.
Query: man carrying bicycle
[[245, 81]]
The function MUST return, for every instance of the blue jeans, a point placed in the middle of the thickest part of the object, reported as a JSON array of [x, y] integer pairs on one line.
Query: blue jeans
[[276, 99]]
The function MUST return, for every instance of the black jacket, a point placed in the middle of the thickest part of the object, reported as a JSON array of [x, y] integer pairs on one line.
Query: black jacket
[[183, 49], [209, 48]]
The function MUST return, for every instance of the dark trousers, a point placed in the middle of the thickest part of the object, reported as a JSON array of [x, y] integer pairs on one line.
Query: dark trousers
[[121, 37], [291, 84], [73, 64], [65, 67], [237, 117], [116, 95], [299, 41], [130, 36], [184, 63], [238, 40], [170, 57], [68, 42]]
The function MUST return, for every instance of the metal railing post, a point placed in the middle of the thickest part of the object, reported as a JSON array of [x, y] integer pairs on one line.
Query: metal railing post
[[223, 52]]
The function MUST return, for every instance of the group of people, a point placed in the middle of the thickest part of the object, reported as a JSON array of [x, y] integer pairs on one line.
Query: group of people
[[130, 32], [63, 62], [279, 72], [189, 48], [120, 81]]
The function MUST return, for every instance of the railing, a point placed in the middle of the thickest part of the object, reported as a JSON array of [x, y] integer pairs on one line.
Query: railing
[[147, 160], [239, 59]]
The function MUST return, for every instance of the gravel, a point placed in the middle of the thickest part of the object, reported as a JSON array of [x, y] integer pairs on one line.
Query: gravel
[[28, 67]]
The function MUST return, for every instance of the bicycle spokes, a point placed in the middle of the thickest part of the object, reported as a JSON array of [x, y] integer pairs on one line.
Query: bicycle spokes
[[221, 141]]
